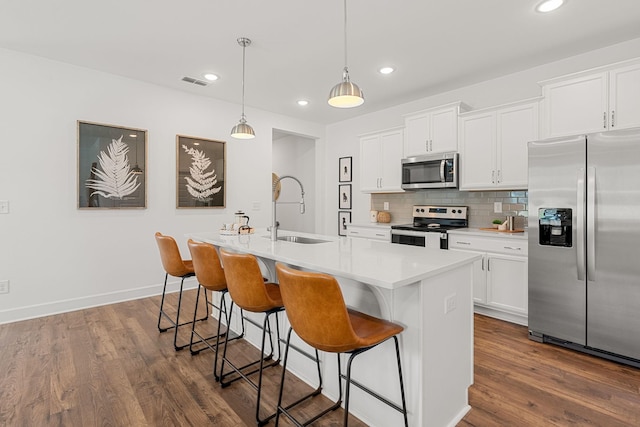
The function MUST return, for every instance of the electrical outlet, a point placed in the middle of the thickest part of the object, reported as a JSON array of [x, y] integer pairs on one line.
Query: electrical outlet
[[256, 206], [386, 206], [4, 206], [450, 303], [4, 286], [497, 207]]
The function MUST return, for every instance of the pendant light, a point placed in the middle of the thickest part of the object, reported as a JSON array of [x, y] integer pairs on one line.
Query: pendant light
[[345, 94], [243, 130]]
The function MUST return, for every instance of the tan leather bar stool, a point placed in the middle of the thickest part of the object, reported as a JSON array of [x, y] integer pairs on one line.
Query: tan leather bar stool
[[210, 275], [319, 316], [251, 293], [175, 266]]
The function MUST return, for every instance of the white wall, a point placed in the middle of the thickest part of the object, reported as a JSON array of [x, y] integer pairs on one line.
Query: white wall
[[342, 137], [295, 155], [59, 258]]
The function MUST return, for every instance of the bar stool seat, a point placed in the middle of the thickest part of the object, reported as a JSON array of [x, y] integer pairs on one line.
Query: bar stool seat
[[318, 314], [210, 275], [250, 292], [175, 266]]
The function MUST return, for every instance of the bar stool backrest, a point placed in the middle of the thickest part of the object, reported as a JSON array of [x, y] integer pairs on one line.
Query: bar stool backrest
[[206, 264], [170, 255], [316, 310], [245, 282]]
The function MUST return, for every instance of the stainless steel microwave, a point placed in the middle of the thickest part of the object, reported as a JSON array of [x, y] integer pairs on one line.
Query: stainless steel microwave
[[430, 171]]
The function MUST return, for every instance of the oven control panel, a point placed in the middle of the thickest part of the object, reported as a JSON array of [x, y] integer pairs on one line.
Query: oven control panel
[[448, 212]]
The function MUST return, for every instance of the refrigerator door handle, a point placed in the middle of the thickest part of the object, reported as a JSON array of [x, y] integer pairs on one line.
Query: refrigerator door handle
[[591, 223], [580, 203]]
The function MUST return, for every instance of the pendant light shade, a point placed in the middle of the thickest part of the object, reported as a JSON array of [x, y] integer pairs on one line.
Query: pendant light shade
[[346, 94], [243, 130]]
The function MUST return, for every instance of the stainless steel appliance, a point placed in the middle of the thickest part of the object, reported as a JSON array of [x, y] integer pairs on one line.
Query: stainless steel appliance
[[430, 225], [584, 235], [430, 171]]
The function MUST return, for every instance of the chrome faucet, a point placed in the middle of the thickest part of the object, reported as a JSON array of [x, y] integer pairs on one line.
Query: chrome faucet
[[274, 223]]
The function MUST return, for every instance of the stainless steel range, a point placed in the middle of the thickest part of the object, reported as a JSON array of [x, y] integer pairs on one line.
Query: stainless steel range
[[430, 225]]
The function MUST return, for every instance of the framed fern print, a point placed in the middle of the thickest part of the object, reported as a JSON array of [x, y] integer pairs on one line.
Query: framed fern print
[[112, 167], [200, 172]]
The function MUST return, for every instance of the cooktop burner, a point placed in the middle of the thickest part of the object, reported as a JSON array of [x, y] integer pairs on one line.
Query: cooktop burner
[[436, 219]]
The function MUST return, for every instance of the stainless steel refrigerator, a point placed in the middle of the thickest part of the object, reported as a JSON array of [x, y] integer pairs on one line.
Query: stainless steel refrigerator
[[584, 243]]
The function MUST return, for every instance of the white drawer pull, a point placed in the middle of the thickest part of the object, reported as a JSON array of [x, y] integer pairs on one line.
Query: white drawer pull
[[463, 243]]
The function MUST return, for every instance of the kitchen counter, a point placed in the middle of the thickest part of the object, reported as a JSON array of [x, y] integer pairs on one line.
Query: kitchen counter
[[428, 291], [488, 233], [375, 263]]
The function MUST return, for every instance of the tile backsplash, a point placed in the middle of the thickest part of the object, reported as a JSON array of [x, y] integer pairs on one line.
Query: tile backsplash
[[480, 204]]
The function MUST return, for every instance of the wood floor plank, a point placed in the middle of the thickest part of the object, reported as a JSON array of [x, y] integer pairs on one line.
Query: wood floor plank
[[110, 366]]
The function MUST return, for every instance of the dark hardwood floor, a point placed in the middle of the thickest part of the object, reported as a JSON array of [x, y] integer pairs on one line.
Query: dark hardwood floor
[[109, 366]]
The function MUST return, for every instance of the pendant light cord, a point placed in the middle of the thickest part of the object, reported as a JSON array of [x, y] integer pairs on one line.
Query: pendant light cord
[[244, 48], [346, 68]]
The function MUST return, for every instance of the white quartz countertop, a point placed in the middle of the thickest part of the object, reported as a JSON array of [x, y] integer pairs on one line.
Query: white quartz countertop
[[376, 263], [487, 233]]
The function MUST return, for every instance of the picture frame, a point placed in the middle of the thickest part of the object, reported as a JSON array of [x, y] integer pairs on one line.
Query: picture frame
[[344, 218], [111, 166], [200, 173], [344, 169], [344, 196]]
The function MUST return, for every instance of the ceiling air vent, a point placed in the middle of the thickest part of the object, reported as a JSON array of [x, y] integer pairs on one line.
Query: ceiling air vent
[[194, 81]]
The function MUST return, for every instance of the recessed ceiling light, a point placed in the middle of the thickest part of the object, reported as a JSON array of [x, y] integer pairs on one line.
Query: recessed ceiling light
[[386, 70], [211, 77], [303, 102], [549, 5]]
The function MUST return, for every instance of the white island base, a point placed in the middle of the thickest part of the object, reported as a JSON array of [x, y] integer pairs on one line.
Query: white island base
[[428, 291]]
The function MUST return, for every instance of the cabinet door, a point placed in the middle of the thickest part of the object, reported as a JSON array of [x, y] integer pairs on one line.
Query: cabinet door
[[370, 154], [477, 151], [507, 283], [576, 106], [391, 149], [515, 127], [444, 131], [416, 134], [624, 101]]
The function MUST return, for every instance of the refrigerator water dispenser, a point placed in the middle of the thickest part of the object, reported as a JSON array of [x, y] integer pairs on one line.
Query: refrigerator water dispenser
[[555, 227]]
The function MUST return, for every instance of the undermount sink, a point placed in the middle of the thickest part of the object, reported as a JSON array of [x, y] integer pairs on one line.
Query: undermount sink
[[301, 239]]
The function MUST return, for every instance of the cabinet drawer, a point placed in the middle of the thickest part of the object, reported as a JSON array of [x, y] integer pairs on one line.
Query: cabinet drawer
[[369, 233], [489, 244]]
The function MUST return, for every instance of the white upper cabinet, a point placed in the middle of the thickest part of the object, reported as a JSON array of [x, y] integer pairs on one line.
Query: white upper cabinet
[[593, 102], [493, 146], [380, 161], [624, 97], [432, 131]]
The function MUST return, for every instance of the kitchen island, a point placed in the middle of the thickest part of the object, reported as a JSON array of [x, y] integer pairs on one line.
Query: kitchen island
[[428, 291]]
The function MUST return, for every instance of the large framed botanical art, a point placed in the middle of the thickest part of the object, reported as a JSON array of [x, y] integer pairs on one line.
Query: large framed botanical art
[[112, 167], [201, 167]]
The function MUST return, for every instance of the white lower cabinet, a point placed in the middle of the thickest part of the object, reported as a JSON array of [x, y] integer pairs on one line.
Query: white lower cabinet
[[500, 277], [371, 232]]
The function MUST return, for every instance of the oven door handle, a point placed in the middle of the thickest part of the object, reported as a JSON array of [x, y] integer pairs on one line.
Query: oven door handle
[[443, 163], [409, 233]]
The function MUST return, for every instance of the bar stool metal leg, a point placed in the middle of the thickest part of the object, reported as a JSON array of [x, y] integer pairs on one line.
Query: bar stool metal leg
[[240, 370]]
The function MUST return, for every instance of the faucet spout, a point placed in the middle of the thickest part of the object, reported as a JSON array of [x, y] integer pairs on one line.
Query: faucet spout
[[274, 222]]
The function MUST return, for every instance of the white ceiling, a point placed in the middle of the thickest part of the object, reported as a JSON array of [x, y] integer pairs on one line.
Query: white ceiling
[[297, 50]]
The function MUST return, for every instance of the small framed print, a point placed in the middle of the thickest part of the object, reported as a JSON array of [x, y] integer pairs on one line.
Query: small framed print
[[344, 219], [201, 171], [345, 169], [112, 167], [344, 195]]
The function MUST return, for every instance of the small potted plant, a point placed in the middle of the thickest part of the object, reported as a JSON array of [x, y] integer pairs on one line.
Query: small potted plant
[[496, 223]]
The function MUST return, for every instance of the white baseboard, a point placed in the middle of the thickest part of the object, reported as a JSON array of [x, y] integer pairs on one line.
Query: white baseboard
[[73, 304]]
